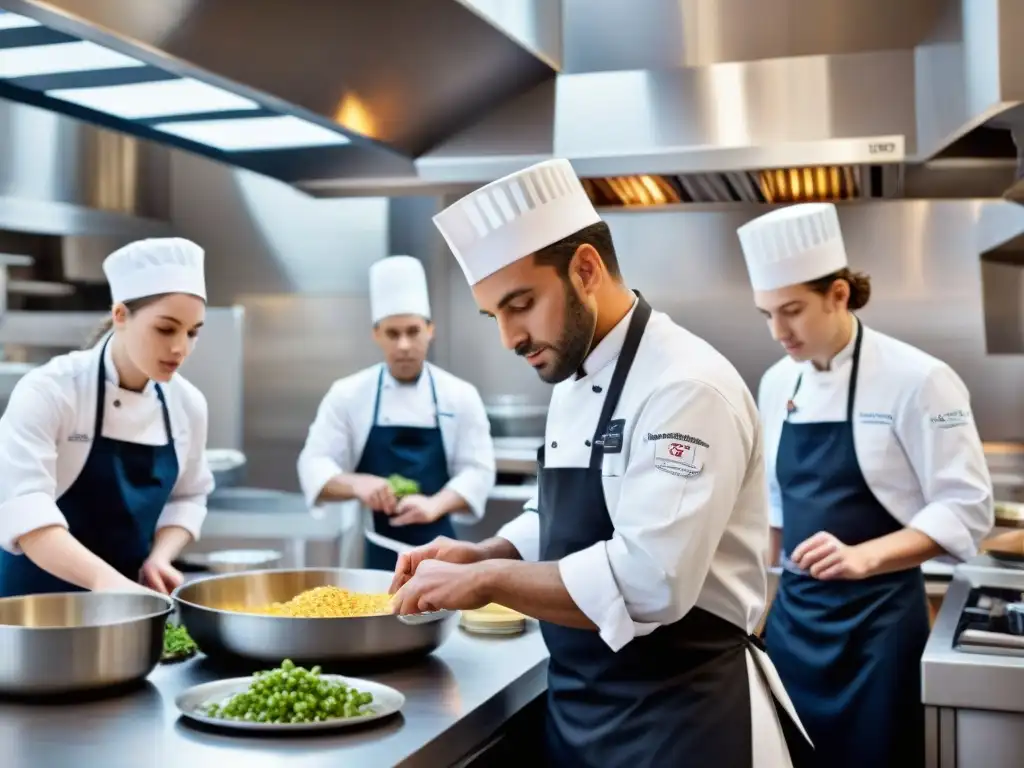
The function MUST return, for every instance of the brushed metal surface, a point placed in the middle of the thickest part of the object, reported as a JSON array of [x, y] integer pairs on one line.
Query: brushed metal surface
[[63, 177], [271, 639], [456, 699], [79, 641]]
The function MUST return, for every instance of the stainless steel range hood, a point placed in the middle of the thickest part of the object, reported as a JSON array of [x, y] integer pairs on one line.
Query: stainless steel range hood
[[298, 91], [723, 100], [698, 101]]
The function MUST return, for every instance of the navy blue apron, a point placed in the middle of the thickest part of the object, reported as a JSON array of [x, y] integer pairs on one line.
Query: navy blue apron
[[112, 507], [679, 696], [848, 652], [416, 453]]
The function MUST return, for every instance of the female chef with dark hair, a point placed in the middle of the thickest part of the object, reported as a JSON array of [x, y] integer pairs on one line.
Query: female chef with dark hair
[[874, 466], [103, 475]]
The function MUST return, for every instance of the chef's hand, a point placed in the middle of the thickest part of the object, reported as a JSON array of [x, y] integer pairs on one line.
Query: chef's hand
[[375, 492], [416, 509], [115, 582], [438, 586], [825, 557], [161, 576], [442, 548]]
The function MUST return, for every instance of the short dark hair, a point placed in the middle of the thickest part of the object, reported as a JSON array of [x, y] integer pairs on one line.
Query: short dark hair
[[599, 236], [860, 286]]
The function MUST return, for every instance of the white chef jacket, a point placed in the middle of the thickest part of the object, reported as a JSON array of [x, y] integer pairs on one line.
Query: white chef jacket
[[679, 541], [47, 430], [915, 438], [342, 425]]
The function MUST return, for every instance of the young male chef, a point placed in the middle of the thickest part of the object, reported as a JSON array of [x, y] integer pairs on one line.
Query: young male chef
[[403, 417], [643, 553], [874, 466], [103, 471]]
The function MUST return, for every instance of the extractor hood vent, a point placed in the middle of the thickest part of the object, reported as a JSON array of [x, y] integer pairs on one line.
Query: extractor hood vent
[[780, 185]]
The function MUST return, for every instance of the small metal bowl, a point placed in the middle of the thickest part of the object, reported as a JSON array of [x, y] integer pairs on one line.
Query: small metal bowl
[[222, 632], [234, 560], [79, 641]]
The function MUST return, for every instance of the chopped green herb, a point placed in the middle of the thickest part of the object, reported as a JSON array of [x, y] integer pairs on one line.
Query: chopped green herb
[[178, 644], [403, 486], [291, 694]]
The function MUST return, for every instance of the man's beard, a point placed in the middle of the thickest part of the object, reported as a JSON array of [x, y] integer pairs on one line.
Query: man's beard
[[573, 346]]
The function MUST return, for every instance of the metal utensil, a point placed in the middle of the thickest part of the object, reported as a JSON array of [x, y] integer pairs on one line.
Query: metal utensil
[[1015, 618], [79, 641], [270, 639], [191, 702]]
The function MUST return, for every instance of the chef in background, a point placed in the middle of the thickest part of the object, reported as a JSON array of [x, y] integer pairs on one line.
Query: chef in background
[[874, 466], [103, 472], [643, 554], [403, 417]]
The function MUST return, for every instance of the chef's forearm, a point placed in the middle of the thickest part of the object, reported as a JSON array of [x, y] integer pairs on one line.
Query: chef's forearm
[[169, 542], [899, 551], [338, 488], [449, 501], [534, 589], [60, 554]]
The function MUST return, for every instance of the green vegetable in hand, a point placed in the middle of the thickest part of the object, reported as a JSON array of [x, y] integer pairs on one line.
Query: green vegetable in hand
[[403, 486], [291, 694], [178, 644]]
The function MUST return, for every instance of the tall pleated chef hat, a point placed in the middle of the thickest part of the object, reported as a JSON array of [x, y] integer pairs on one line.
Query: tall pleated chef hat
[[515, 216], [154, 266], [792, 245], [398, 286]]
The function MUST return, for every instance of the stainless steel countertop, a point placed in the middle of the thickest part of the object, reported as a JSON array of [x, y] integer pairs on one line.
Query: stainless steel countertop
[[456, 699], [951, 678]]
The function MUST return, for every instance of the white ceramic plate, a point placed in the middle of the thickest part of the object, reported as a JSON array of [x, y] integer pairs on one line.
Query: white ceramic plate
[[191, 702]]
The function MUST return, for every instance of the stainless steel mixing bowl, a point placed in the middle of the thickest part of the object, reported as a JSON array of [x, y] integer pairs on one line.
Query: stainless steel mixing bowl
[[79, 641], [271, 639]]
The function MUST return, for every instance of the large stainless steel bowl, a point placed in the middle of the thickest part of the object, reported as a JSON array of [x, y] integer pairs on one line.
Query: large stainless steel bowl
[[271, 639], [79, 641]]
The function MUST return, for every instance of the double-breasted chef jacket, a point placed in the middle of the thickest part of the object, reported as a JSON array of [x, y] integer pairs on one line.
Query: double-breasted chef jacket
[[915, 437], [46, 435], [338, 434], [682, 470]]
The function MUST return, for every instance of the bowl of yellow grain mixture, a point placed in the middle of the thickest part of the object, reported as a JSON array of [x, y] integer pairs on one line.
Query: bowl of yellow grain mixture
[[309, 615]]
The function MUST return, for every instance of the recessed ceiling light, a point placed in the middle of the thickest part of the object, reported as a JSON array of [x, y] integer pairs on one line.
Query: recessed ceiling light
[[255, 133], [159, 99], [10, 20], [58, 58]]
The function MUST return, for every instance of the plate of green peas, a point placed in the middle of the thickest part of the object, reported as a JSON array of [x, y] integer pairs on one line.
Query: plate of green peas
[[289, 698]]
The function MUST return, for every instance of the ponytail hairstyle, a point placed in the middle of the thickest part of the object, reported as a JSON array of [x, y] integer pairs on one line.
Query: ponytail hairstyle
[[860, 286], [132, 305]]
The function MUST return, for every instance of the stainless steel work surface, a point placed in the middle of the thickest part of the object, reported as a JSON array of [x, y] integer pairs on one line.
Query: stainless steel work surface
[[971, 669], [455, 700]]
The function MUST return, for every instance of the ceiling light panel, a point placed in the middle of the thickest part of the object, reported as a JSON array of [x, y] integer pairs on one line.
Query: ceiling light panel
[[255, 133], [61, 58], [139, 101], [14, 21]]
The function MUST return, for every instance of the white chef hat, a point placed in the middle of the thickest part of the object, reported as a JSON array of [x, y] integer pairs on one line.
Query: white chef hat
[[154, 266], [398, 286], [793, 245], [515, 216]]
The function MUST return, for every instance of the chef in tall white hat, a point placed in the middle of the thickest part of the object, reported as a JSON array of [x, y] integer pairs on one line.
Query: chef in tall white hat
[[103, 474], [643, 554], [404, 417], [874, 466]]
